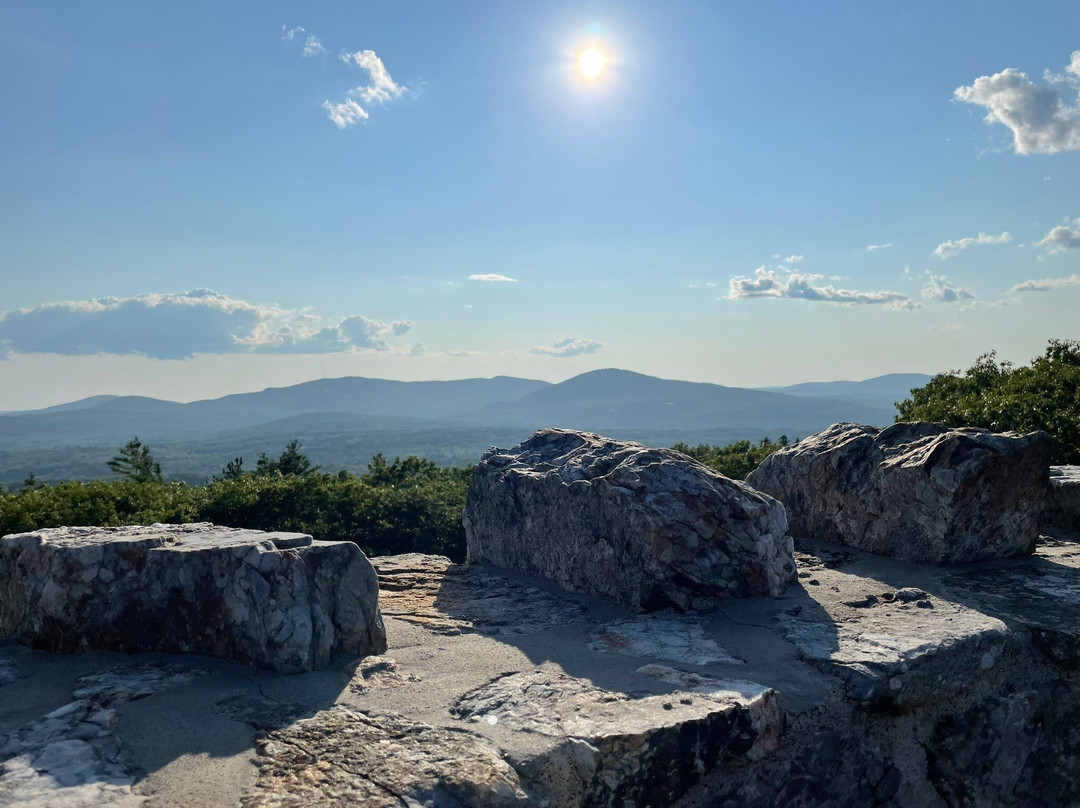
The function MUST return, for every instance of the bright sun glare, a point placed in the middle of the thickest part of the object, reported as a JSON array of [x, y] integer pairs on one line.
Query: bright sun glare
[[591, 63]]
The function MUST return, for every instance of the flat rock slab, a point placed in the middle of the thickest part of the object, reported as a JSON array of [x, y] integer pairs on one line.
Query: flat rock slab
[[645, 528], [616, 749], [71, 757], [674, 637], [446, 598], [276, 600], [344, 757], [915, 491]]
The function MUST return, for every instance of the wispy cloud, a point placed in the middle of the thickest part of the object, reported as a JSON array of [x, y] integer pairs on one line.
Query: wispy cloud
[[1061, 238], [571, 346], [312, 47], [379, 89], [1044, 118], [1045, 284], [939, 289], [492, 279], [793, 259], [346, 113], [796, 286], [872, 247], [178, 326], [947, 249]]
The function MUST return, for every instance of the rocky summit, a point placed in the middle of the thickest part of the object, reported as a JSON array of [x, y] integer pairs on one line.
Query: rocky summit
[[916, 491], [871, 683], [646, 528], [276, 600]]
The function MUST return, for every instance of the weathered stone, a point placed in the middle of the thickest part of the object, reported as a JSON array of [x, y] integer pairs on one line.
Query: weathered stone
[[679, 639], [446, 598], [645, 528], [644, 750], [71, 757], [916, 491], [343, 757], [1017, 749], [279, 601], [1063, 502]]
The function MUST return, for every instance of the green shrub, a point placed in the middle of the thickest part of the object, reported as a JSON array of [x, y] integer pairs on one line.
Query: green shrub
[[1044, 395]]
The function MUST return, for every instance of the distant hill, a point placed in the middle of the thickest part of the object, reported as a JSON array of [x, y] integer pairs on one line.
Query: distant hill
[[343, 422], [893, 386], [607, 399]]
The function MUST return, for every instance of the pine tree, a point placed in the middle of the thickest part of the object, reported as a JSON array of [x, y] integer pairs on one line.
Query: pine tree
[[134, 462]]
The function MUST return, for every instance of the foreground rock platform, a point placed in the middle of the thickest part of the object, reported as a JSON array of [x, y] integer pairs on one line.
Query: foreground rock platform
[[871, 682], [646, 528], [916, 491], [276, 600]]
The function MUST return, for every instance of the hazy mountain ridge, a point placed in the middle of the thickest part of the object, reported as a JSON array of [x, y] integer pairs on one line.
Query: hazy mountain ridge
[[343, 422]]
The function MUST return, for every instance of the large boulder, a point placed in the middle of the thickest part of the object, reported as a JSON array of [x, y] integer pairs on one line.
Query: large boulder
[[1063, 505], [276, 600], [916, 491], [645, 528]]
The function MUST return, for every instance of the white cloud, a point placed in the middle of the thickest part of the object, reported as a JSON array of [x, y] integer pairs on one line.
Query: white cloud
[[947, 249], [793, 259], [872, 247], [1043, 118], [346, 113], [312, 47], [571, 346], [1061, 238], [767, 283], [938, 288], [380, 87], [492, 279], [1045, 284], [178, 326]]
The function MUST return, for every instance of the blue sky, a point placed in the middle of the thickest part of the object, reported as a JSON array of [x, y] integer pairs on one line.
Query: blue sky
[[702, 210]]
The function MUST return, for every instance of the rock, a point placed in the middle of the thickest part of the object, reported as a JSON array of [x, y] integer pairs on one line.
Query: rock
[[278, 601], [345, 757], [1063, 503], [679, 639], [643, 750], [446, 598], [71, 757], [1014, 749], [915, 491], [645, 528]]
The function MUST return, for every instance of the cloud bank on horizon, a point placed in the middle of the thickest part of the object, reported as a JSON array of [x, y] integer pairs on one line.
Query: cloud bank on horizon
[[179, 326]]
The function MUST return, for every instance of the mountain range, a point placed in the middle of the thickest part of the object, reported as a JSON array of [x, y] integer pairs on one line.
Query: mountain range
[[343, 422]]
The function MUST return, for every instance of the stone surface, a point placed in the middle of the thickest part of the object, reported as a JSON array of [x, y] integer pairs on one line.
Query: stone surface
[[446, 598], [915, 491], [71, 757], [1063, 502], [885, 683], [343, 757], [645, 528], [615, 749], [278, 601], [677, 638]]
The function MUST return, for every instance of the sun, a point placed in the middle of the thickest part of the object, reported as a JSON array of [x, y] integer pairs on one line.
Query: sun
[[591, 63]]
